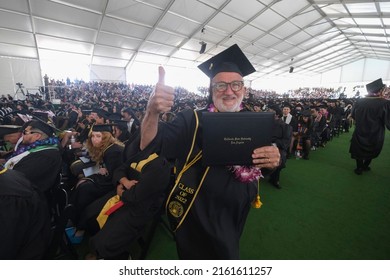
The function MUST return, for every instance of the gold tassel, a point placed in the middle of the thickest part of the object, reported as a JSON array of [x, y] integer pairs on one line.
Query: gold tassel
[[257, 203]]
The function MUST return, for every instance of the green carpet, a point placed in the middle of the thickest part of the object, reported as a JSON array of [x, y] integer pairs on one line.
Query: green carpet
[[324, 211]]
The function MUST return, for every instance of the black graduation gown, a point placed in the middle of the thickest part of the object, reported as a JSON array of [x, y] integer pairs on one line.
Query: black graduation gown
[[24, 218], [141, 203], [112, 159], [281, 136], [41, 168], [97, 185], [371, 115], [215, 222]]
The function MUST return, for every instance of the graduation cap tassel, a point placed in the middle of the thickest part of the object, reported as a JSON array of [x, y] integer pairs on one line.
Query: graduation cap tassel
[[257, 203]]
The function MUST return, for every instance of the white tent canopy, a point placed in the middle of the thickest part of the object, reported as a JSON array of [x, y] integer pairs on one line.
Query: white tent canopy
[[321, 42]]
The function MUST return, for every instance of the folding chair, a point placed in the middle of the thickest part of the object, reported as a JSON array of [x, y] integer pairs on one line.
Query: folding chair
[[61, 211]]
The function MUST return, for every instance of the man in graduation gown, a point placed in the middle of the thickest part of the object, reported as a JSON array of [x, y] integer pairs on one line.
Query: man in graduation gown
[[24, 218], [211, 205], [371, 115], [38, 157], [281, 137]]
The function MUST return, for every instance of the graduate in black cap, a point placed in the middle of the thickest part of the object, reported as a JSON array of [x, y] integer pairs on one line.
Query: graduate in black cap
[[132, 121], [39, 156], [291, 120], [106, 151], [281, 137], [120, 131], [119, 128], [319, 126], [208, 206], [9, 137], [99, 115], [371, 115], [142, 181]]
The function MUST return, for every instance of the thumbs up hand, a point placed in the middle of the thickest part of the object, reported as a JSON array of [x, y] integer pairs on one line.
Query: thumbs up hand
[[161, 100]]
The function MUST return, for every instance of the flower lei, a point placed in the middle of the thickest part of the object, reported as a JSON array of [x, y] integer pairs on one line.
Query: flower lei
[[244, 174], [23, 148]]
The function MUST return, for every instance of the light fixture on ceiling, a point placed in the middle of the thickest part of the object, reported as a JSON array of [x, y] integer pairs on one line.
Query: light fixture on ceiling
[[202, 43], [202, 47], [291, 67]]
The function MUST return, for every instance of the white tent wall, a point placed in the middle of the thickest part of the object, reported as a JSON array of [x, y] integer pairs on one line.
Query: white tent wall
[[142, 73], [26, 71], [313, 36], [147, 73], [357, 73], [361, 71], [107, 73], [13, 70], [352, 72], [375, 68]]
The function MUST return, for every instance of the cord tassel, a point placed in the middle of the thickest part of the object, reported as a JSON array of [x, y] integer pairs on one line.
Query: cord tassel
[[257, 203]]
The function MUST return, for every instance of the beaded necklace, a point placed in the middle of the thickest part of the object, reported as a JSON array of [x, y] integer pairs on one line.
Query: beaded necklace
[[52, 141]]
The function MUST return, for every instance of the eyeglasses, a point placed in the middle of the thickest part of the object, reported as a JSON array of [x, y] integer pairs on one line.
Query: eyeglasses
[[25, 132], [223, 86]]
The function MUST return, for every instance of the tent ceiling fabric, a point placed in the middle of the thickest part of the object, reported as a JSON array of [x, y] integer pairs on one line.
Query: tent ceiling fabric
[[313, 36]]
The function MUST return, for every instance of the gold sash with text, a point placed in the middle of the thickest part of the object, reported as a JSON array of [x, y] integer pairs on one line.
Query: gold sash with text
[[187, 185]]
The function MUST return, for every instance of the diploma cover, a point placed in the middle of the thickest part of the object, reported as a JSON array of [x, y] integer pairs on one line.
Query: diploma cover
[[229, 138]]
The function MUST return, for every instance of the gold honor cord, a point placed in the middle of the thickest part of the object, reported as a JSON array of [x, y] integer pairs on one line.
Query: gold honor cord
[[107, 147], [139, 165], [182, 197]]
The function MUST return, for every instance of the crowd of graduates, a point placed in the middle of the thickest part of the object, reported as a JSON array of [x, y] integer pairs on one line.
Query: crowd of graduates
[[99, 121]]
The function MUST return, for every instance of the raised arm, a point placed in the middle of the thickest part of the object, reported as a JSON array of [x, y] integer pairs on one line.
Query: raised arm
[[160, 101]]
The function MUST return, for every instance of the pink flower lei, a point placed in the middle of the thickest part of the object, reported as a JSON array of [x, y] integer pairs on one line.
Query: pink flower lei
[[244, 174]]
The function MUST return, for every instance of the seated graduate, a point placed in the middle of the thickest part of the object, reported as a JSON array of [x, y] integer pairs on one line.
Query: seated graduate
[[38, 156], [142, 182], [119, 131], [10, 135], [24, 218], [305, 133], [106, 151]]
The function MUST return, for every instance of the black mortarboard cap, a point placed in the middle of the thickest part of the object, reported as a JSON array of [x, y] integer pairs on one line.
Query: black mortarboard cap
[[230, 60], [323, 105], [375, 86], [86, 111], [8, 129], [114, 117], [119, 122], [132, 114], [306, 113], [276, 108], [100, 112], [128, 110], [42, 126], [102, 128], [44, 116]]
